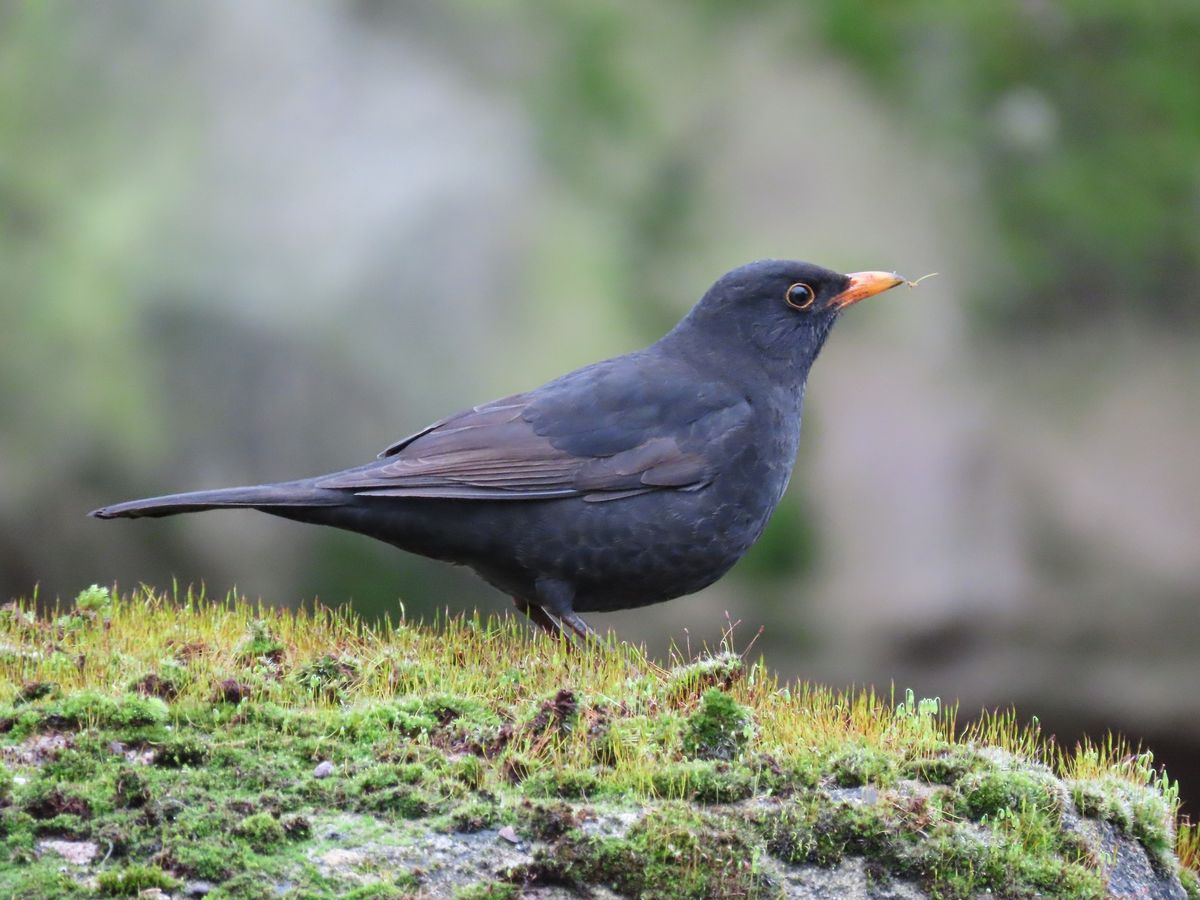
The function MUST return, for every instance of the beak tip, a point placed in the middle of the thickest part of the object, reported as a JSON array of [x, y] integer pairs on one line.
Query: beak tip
[[867, 284]]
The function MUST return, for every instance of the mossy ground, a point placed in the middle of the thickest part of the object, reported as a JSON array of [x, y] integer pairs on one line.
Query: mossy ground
[[225, 742]]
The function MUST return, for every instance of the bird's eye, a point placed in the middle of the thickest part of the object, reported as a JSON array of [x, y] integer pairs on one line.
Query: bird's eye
[[800, 296]]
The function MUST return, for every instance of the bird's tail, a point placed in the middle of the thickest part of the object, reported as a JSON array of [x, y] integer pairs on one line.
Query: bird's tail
[[261, 496]]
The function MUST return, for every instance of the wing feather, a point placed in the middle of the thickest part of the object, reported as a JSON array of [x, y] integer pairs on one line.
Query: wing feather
[[604, 433]]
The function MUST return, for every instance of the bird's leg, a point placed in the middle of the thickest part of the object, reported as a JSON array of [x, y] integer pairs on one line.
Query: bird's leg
[[556, 597], [537, 616], [580, 627]]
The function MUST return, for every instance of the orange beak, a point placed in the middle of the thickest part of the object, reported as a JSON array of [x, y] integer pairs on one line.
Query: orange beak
[[864, 285]]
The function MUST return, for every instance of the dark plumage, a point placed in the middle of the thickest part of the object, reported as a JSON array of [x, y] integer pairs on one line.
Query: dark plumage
[[624, 483]]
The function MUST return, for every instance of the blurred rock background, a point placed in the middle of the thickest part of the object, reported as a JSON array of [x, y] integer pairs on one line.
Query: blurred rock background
[[248, 241]]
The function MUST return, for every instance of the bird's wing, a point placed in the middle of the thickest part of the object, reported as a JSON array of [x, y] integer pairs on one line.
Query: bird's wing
[[608, 431]]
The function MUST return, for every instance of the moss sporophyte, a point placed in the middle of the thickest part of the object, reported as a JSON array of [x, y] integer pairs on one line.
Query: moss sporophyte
[[152, 742]]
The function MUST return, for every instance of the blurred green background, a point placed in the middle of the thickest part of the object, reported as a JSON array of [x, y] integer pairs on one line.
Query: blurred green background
[[251, 241]]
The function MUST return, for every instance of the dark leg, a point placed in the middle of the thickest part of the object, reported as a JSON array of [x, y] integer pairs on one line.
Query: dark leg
[[580, 627], [537, 615], [556, 597]]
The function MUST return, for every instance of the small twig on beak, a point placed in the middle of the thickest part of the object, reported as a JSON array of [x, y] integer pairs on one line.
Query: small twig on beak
[[913, 284]]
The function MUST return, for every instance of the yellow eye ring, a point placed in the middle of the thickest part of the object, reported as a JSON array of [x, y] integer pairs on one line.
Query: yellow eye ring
[[800, 296]]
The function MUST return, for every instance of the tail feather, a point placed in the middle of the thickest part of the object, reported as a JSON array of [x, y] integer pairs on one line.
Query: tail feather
[[285, 494]]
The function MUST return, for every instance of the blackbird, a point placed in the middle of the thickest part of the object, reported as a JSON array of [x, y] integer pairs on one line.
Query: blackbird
[[628, 482]]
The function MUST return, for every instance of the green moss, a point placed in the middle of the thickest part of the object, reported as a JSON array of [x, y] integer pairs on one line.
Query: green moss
[[75, 764], [66, 825], [859, 765], [471, 816], [261, 644], [719, 729], [132, 880], [645, 738], [179, 750], [268, 716], [261, 831], [546, 821], [1152, 826], [817, 830], [999, 791], [388, 775], [397, 799], [36, 881], [401, 889], [95, 599], [16, 828], [671, 853], [326, 677], [470, 771], [210, 859], [517, 768], [690, 680], [46, 798], [37, 690], [495, 890], [20, 723], [92, 709], [1191, 883], [798, 772], [705, 781], [1105, 798], [567, 784], [477, 726], [297, 828], [376, 721], [132, 711], [913, 837], [131, 788], [945, 767], [248, 885]]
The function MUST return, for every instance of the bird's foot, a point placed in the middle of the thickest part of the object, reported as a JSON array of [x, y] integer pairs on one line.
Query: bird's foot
[[581, 628], [538, 616], [554, 626]]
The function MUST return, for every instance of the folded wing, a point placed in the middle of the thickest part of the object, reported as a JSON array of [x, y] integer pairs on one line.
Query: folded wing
[[605, 432]]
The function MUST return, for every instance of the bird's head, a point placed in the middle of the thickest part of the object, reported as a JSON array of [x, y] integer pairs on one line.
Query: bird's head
[[778, 311]]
